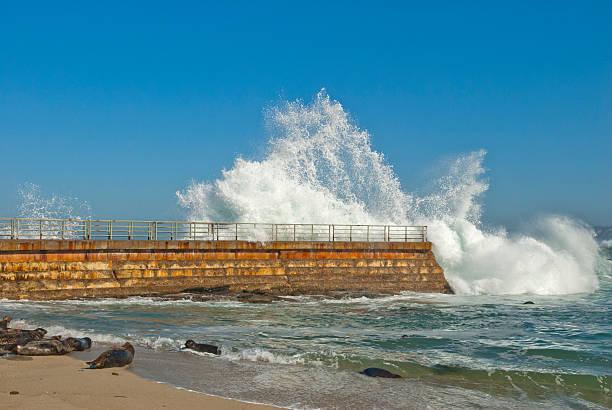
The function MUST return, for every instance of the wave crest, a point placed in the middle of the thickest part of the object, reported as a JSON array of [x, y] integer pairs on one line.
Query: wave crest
[[320, 168]]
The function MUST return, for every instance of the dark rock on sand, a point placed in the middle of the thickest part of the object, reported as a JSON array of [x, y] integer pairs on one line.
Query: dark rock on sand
[[529, 303], [376, 372], [116, 357]]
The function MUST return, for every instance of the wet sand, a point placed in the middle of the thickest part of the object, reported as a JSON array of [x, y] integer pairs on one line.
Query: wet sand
[[63, 382]]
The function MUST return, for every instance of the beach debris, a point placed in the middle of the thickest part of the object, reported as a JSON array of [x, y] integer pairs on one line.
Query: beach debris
[[78, 343], [4, 322], [376, 372], [115, 357], [13, 392], [202, 347]]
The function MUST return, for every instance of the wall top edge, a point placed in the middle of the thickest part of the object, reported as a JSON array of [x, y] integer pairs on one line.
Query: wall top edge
[[8, 245]]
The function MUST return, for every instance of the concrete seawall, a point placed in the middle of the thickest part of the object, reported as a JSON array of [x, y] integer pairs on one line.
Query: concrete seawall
[[61, 269]]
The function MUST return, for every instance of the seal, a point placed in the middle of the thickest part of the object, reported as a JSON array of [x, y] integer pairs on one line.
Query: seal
[[202, 347], [4, 322], [15, 338], [46, 347], [35, 334], [376, 372], [78, 344], [115, 357]]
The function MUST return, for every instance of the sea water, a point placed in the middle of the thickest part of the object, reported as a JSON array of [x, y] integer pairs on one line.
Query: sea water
[[481, 347], [306, 352]]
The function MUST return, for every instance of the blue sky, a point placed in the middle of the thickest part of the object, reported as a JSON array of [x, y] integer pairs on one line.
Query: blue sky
[[123, 104]]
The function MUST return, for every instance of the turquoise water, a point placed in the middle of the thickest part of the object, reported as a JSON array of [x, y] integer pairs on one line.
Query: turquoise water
[[465, 351]]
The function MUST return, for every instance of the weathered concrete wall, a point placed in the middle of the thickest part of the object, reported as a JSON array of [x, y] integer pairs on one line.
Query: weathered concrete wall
[[54, 269]]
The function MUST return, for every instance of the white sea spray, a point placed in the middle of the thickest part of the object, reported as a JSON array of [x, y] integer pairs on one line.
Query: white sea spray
[[320, 168]]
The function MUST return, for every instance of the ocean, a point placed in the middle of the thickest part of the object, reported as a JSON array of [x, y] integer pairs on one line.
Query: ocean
[[481, 347], [306, 351]]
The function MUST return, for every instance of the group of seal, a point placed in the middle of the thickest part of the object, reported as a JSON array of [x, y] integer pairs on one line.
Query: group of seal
[[34, 343]]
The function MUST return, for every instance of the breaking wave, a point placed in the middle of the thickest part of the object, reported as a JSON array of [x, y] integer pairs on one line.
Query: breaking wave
[[320, 168]]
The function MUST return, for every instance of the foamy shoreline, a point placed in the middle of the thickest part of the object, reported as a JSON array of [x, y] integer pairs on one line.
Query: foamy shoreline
[[63, 382]]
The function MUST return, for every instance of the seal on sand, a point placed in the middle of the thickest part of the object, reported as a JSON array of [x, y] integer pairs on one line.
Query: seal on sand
[[10, 338], [376, 372], [77, 343], [47, 347], [202, 347], [36, 334], [115, 357]]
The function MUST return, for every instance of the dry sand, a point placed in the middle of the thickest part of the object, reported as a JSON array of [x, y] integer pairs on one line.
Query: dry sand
[[63, 382]]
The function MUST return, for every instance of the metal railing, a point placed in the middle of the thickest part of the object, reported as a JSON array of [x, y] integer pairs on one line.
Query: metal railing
[[26, 228]]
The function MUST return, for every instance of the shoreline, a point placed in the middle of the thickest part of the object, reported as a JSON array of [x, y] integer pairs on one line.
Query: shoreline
[[63, 382]]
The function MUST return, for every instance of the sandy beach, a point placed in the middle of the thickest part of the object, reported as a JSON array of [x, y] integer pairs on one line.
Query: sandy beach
[[63, 382]]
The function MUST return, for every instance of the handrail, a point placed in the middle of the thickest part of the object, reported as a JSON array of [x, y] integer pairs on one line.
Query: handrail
[[39, 228]]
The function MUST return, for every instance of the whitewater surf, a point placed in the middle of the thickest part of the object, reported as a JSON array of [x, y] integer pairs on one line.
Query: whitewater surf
[[320, 168]]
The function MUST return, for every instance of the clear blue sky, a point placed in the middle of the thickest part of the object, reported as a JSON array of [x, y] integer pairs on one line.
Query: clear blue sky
[[122, 104]]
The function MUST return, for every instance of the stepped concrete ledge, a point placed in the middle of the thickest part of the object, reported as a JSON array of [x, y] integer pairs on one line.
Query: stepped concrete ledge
[[47, 269]]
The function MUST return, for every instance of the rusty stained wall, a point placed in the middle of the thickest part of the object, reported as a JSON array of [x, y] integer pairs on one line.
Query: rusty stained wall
[[60, 269]]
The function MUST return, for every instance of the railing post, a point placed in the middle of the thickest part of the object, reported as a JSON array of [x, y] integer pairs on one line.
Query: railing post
[[293, 232], [312, 232], [424, 234], [350, 233], [13, 228], [333, 233], [63, 228], [368, 234], [405, 234], [40, 228]]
